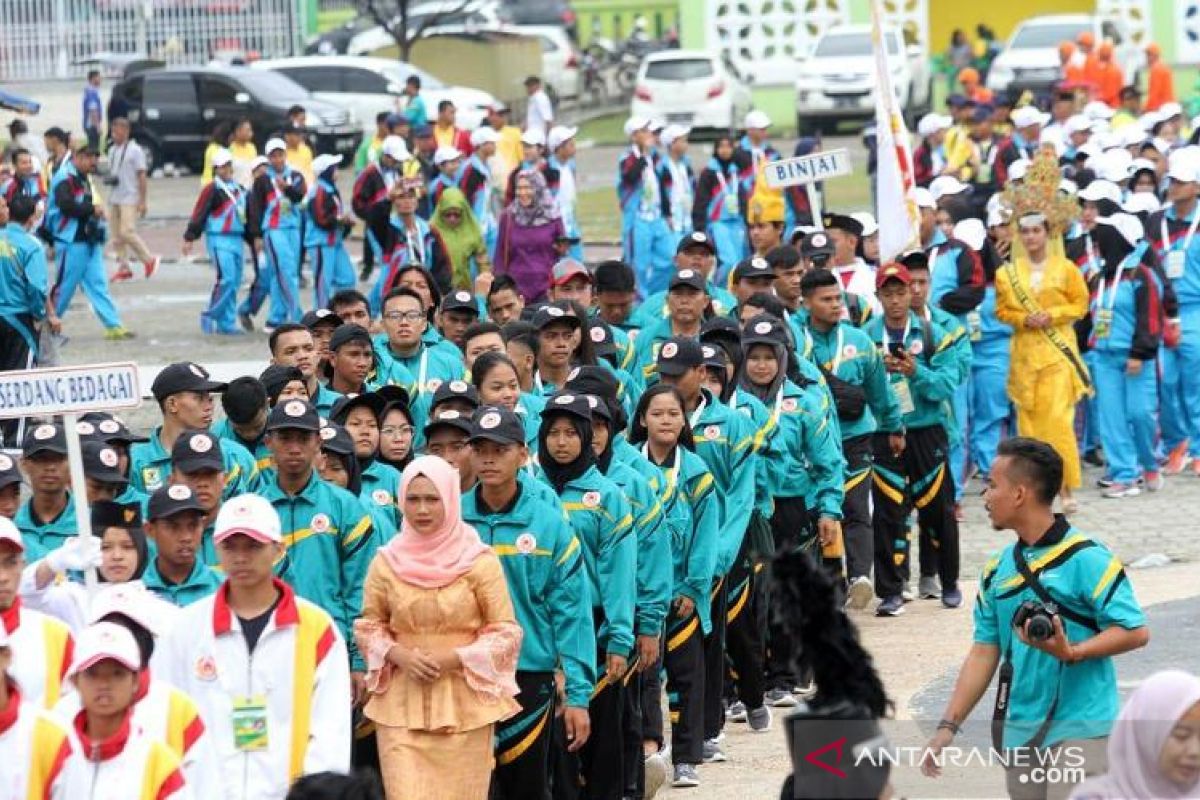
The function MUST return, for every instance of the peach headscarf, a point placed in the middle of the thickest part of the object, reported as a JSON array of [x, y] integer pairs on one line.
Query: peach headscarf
[[437, 559]]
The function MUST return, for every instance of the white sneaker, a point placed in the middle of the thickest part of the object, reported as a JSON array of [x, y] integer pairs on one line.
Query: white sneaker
[[657, 768], [860, 594], [1121, 490]]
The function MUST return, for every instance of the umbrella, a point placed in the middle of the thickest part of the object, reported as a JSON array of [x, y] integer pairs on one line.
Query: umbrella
[[19, 104]]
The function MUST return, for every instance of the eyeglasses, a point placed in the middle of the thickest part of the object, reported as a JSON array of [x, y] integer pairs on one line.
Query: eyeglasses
[[404, 316], [396, 431]]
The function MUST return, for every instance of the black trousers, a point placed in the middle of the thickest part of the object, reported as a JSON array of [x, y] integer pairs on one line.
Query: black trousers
[[523, 742], [633, 760], [684, 661], [920, 478], [15, 354], [856, 507], [792, 526], [714, 660], [745, 627]]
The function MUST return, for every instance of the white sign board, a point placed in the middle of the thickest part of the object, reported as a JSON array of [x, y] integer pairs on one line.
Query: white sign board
[[69, 390], [808, 169]]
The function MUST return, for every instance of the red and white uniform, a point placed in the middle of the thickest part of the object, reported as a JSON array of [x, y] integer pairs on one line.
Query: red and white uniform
[[34, 748], [130, 765], [42, 650], [298, 676], [858, 278]]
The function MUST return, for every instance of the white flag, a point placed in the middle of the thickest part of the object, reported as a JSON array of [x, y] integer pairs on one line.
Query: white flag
[[899, 217]]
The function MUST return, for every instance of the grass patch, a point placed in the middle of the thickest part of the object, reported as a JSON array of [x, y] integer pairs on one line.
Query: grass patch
[[609, 129], [599, 217]]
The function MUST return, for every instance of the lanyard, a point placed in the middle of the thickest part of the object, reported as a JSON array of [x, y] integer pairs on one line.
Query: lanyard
[[416, 245], [1187, 242], [694, 419], [720, 173], [1090, 246], [537, 383], [778, 407], [837, 356], [672, 473], [883, 332], [1112, 295], [422, 369]]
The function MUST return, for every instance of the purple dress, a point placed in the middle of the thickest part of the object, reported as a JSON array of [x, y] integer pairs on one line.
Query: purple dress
[[527, 254]]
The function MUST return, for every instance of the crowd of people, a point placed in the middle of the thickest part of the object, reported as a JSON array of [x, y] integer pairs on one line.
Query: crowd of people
[[469, 526]]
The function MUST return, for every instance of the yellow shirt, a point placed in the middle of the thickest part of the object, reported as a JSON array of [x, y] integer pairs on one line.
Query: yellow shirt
[[509, 151], [301, 159], [243, 159]]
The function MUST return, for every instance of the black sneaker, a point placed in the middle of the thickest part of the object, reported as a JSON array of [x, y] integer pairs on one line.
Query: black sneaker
[[685, 776], [890, 607]]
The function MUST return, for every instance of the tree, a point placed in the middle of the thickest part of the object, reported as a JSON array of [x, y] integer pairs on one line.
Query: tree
[[394, 16]]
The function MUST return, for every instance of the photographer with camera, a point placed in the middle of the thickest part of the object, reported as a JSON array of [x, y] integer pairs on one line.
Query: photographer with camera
[[1053, 608], [126, 180]]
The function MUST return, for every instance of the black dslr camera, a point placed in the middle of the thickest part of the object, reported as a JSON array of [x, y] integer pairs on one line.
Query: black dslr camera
[[1040, 618]]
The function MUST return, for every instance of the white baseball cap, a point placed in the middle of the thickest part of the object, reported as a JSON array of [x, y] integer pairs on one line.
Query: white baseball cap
[[1129, 226], [869, 226], [1068, 187], [1148, 120], [560, 135], [484, 134], [1098, 110], [1182, 166], [1025, 116], [532, 137], [946, 185], [923, 198], [324, 162], [1141, 203], [634, 124], [1053, 138], [273, 145], [1077, 124], [1170, 110], [221, 156], [1132, 134], [395, 147], [971, 233], [1101, 190], [930, 124], [1018, 168], [10, 533], [1112, 165], [132, 600], [259, 161], [105, 641], [248, 514], [446, 153], [996, 217], [756, 119], [673, 132]]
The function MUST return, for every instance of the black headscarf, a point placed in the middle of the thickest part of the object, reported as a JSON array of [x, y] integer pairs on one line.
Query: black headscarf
[[1112, 248], [765, 393], [106, 514], [560, 475], [404, 409], [341, 446], [603, 414]]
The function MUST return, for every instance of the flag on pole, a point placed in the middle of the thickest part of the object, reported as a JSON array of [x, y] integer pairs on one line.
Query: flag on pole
[[897, 212]]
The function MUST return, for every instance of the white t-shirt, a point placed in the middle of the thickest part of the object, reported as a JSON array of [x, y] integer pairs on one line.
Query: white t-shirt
[[124, 163], [540, 113]]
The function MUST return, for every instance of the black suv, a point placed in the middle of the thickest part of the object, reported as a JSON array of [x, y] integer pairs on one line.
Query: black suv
[[173, 111]]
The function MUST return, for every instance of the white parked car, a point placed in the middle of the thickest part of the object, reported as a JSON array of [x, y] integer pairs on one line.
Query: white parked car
[[560, 61], [837, 80], [1030, 60], [693, 88], [368, 86]]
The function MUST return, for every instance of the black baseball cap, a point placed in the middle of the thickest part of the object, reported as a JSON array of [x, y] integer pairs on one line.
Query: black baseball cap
[[336, 439], [295, 415], [763, 329], [48, 437], [344, 334], [108, 428], [568, 403], [696, 239], [171, 500], [448, 418], [342, 408], [714, 357], [275, 377], [715, 328], [914, 258], [496, 424], [679, 354], [688, 277], [842, 222], [107, 514], [601, 335], [754, 267], [320, 316], [394, 396], [455, 390], [101, 462], [598, 407], [183, 376], [599, 381], [460, 300], [9, 474], [549, 314], [816, 244], [195, 451]]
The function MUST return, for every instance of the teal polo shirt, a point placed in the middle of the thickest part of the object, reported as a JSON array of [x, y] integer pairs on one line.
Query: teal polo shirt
[[1083, 575], [44, 536], [202, 582]]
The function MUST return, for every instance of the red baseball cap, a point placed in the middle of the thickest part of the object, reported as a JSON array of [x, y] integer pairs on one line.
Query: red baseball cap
[[892, 272]]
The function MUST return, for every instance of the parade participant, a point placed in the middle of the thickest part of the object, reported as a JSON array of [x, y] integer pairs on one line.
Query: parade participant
[[352, 363], [108, 750], [788, 264], [765, 219], [504, 301], [402, 346], [396, 433], [719, 209], [47, 517], [371, 146], [110, 430], [528, 228], [448, 162], [246, 403], [542, 562], [558, 335], [78, 224], [220, 216], [283, 383], [645, 208], [560, 144], [696, 251], [864, 403], [1050, 707], [35, 744], [41, 645], [603, 520], [692, 514], [479, 338], [379, 482], [273, 217], [244, 152], [10, 487], [369, 197], [102, 476], [24, 289], [26, 180], [183, 392], [326, 221], [458, 312], [265, 739], [127, 201], [921, 360], [929, 157], [682, 179], [467, 655], [751, 276], [292, 345], [460, 233], [1126, 316], [321, 323], [754, 151], [299, 154], [446, 437], [1041, 294], [198, 464], [405, 239], [615, 291], [497, 379], [58, 147], [175, 523], [687, 300], [856, 278], [1161, 88]]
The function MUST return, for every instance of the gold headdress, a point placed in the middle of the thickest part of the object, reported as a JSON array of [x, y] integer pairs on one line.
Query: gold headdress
[[1039, 194]]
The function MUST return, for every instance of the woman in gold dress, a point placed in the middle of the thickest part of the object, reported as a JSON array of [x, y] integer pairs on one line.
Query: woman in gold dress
[[441, 642]]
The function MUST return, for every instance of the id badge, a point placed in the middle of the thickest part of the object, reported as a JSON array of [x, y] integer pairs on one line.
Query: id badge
[[975, 325], [1176, 259], [904, 396], [1103, 323], [731, 204], [985, 174], [250, 723]]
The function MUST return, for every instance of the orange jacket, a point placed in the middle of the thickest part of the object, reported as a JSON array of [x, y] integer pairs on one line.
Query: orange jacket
[[1161, 87], [1109, 82]]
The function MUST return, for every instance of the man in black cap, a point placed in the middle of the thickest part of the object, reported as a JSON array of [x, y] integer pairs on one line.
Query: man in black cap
[[246, 405], [184, 393], [857, 279], [175, 523], [293, 345], [351, 361], [459, 310], [696, 251], [458, 395], [615, 288], [47, 518], [101, 471], [751, 276], [558, 333], [447, 436], [320, 322], [816, 249], [198, 462], [108, 428], [285, 383], [687, 304], [789, 269], [10, 487], [329, 536]]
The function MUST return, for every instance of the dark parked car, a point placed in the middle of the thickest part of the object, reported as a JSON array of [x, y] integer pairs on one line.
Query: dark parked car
[[542, 12], [174, 111]]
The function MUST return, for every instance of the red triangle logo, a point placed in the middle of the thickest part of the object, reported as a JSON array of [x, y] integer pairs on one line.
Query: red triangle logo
[[814, 757]]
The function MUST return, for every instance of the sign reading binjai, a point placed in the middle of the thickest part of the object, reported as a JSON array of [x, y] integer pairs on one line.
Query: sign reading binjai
[[74, 390], [808, 169]]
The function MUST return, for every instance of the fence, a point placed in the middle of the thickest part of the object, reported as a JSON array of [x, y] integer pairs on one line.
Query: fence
[[49, 38]]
